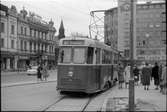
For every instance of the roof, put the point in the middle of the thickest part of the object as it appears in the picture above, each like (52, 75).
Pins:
(89, 42)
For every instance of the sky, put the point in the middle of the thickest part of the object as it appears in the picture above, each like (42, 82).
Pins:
(74, 13)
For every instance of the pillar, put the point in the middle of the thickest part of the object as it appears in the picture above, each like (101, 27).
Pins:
(15, 62)
(8, 64)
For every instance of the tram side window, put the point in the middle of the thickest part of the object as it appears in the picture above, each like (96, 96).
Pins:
(90, 55)
(103, 57)
(79, 55)
(97, 56)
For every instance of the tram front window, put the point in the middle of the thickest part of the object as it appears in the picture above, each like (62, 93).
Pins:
(79, 55)
(65, 55)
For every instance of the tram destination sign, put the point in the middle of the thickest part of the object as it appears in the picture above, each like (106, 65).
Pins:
(73, 42)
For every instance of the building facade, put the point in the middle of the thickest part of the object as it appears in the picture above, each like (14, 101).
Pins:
(150, 32)
(27, 40)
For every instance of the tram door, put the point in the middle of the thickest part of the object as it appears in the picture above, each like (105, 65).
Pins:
(98, 67)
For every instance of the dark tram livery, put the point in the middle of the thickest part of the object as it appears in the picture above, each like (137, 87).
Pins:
(85, 65)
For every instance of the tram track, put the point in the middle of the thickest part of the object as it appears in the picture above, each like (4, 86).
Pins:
(52, 104)
(83, 103)
(87, 103)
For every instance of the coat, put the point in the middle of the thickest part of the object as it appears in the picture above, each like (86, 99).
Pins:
(45, 72)
(146, 75)
(164, 76)
(155, 72)
(39, 69)
(120, 74)
(127, 74)
(136, 74)
(156, 75)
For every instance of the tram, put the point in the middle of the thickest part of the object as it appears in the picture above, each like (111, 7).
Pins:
(85, 65)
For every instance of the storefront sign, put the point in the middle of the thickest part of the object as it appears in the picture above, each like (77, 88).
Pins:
(23, 57)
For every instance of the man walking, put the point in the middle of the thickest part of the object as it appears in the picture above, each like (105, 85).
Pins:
(155, 75)
(146, 72)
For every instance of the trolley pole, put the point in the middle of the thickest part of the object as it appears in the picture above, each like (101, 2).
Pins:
(131, 81)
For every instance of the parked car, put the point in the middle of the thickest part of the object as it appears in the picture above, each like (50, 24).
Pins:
(32, 70)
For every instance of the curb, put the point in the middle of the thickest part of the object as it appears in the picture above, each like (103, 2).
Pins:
(26, 83)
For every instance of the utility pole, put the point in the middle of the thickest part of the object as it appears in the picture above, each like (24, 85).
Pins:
(131, 81)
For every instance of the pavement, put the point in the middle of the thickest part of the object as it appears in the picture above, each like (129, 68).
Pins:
(117, 99)
(52, 77)
(145, 100)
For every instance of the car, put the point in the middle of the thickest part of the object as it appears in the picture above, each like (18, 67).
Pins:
(32, 70)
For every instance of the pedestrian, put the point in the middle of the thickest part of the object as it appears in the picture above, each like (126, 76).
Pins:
(146, 74)
(160, 77)
(136, 74)
(127, 75)
(140, 72)
(39, 73)
(155, 75)
(164, 83)
(45, 73)
(120, 75)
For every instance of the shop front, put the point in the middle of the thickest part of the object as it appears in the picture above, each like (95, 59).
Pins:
(23, 62)
(51, 62)
(7, 61)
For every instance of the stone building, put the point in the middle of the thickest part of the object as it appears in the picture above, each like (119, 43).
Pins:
(150, 32)
(29, 40)
(8, 37)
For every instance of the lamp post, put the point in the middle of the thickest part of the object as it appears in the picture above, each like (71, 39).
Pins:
(131, 80)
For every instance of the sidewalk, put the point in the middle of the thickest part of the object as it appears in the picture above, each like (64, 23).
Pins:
(20, 72)
(151, 100)
(52, 78)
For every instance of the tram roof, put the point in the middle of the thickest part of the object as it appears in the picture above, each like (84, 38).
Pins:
(88, 42)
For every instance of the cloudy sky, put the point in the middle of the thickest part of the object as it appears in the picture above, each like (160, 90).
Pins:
(74, 13)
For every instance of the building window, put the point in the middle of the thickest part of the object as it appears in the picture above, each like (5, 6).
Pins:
(12, 44)
(46, 48)
(30, 46)
(21, 30)
(25, 31)
(2, 42)
(144, 42)
(45, 36)
(34, 33)
(164, 42)
(157, 25)
(2, 27)
(34, 47)
(12, 29)
(127, 53)
(30, 32)
(25, 45)
(39, 34)
(21, 44)
(142, 52)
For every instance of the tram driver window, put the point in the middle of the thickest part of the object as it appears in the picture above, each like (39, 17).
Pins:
(90, 55)
(65, 55)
